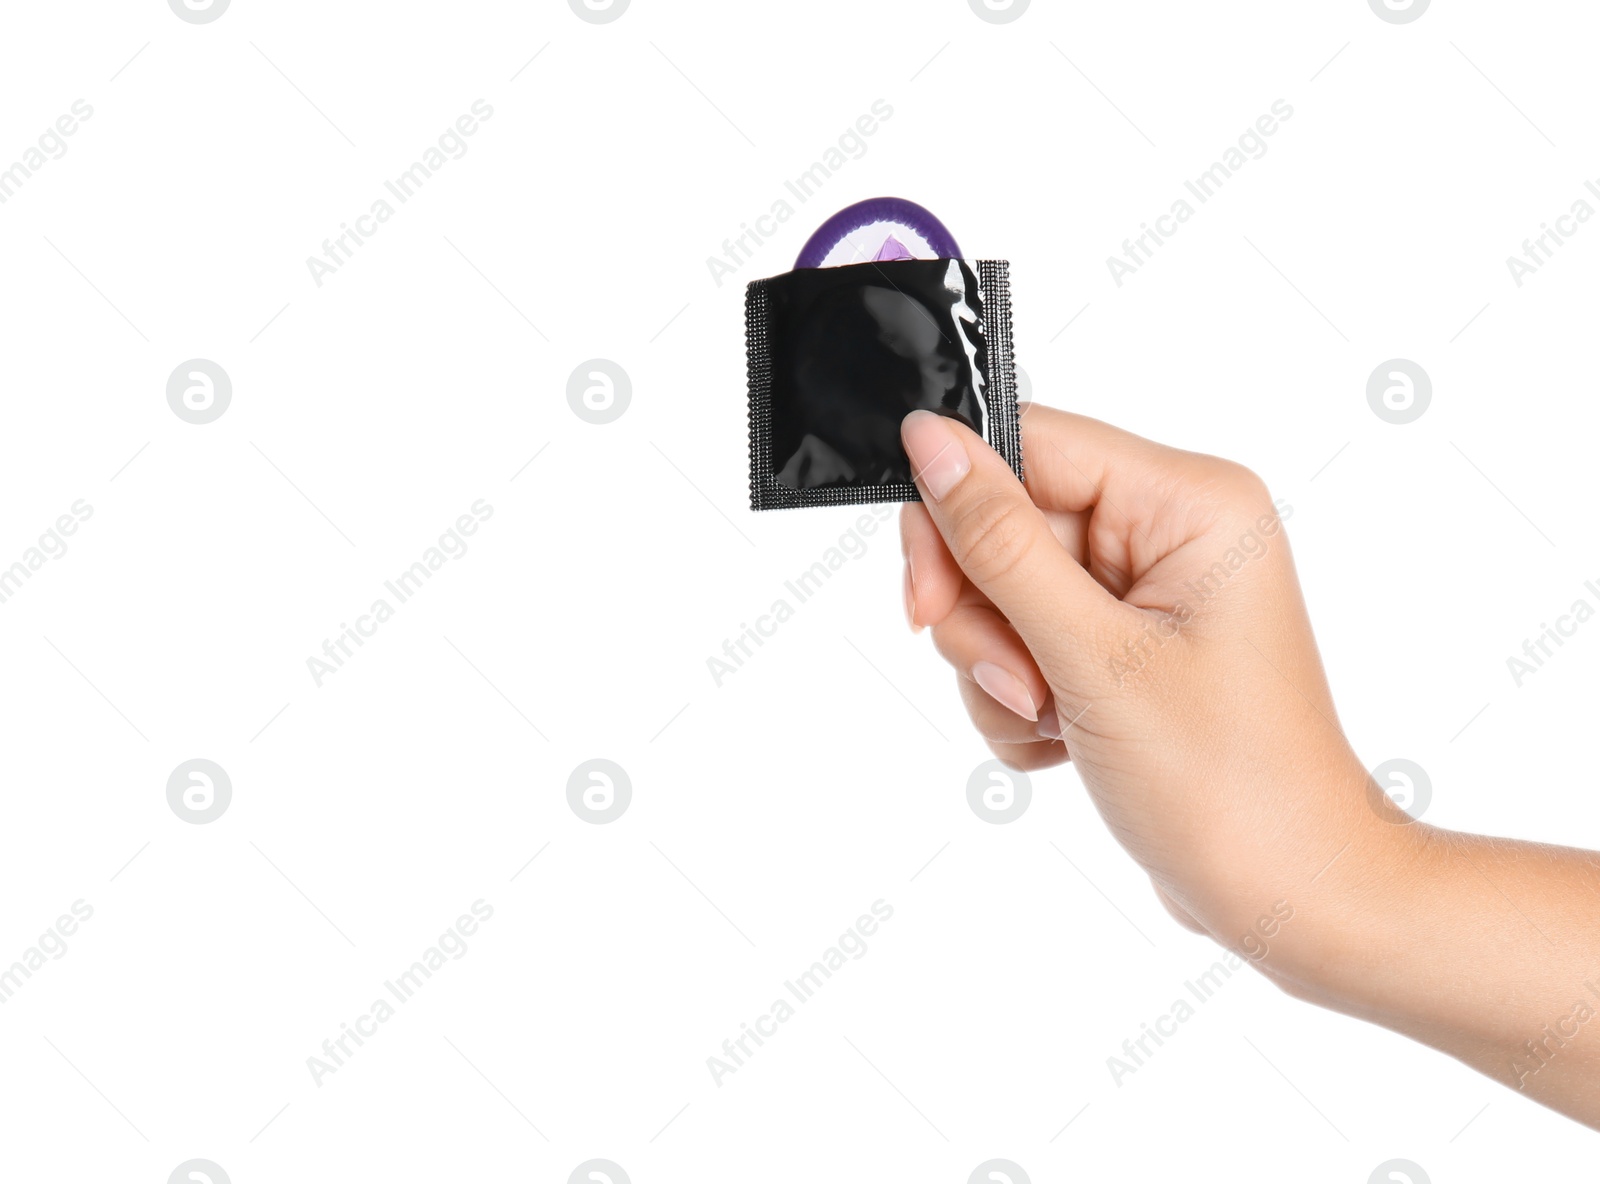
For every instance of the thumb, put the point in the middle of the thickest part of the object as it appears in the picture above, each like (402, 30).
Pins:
(1004, 544)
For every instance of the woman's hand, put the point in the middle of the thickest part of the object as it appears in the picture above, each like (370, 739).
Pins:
(1140, 604)
(1136, 607)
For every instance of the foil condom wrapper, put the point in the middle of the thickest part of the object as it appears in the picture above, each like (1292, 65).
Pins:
(839, 355)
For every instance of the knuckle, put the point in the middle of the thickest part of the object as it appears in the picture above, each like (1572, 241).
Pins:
(995, 732)
(1026, 757)
(953, 636)
(1246, 487)
(1236, 490)
(991, 539)
(995, 724)
(1012, 756)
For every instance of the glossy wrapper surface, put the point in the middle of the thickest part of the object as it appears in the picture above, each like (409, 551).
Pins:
(838, 356)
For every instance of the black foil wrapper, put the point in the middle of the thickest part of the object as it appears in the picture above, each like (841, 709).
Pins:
(838, 356)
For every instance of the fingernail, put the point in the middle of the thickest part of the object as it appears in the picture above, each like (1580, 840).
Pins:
(938, 459)
(1005, 688)
(1050, 724)
(911, 599)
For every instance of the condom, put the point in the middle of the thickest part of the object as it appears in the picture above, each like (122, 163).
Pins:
(880, 317)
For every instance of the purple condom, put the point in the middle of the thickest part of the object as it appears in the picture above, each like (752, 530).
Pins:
(838, 355)
(895, 210)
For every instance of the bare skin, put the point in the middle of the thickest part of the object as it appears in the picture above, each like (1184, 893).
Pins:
(1142, 603)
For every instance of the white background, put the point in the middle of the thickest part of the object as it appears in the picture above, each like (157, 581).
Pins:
(769, 812)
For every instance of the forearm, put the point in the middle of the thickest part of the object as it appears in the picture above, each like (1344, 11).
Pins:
(1487, 949)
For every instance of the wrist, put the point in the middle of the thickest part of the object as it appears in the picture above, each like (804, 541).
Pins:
(1326, 915)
